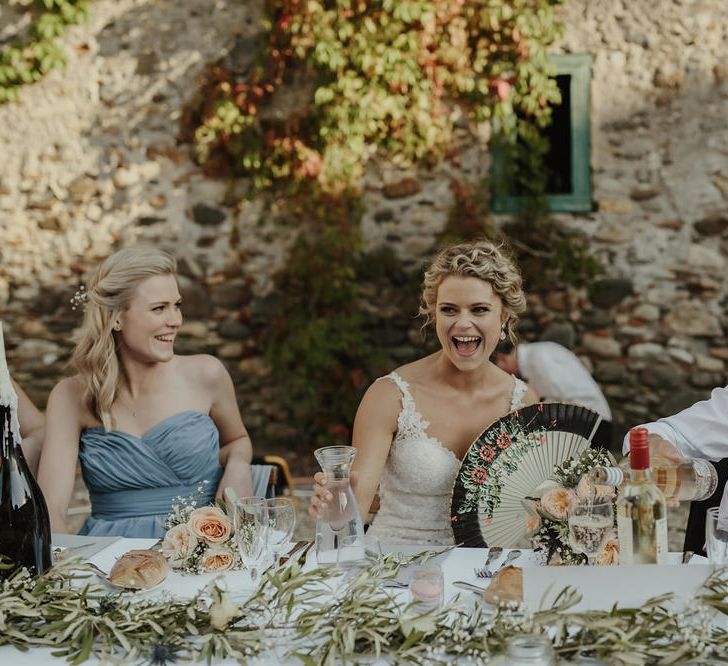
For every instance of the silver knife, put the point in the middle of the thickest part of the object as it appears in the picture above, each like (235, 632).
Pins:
(290, 553)
(464, 585)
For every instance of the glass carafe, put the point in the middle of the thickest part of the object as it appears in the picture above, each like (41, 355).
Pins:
(339, 531)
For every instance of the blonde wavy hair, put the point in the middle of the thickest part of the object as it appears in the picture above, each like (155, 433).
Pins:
(486, 261)
(109, 293)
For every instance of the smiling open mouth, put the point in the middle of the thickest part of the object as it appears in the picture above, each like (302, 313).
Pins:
(466, 344)
(164, 338)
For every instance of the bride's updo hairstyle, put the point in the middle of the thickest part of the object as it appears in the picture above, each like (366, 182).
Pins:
(486, 261)
(109, 293)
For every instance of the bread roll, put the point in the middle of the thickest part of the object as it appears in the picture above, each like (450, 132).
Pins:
(506, 585)
(139, 570)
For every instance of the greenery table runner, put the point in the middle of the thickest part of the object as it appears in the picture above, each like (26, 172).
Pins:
(315, 617)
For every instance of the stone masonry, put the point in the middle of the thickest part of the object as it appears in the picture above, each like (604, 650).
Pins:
(91, 162)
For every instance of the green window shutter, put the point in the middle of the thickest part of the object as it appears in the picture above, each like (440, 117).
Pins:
(570, 186)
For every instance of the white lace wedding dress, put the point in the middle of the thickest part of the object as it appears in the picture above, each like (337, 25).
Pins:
(416, 485)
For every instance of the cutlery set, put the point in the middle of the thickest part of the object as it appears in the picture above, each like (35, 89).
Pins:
(303, 546)
(494, 553)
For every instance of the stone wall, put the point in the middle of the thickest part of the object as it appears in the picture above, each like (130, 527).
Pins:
(91, 161)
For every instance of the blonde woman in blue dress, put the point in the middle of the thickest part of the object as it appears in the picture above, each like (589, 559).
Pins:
(147, 425)
(414, 426)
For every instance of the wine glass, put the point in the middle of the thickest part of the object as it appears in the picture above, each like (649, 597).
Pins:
(716, 538)
(590, 522)
(281, 523)
(251, 526)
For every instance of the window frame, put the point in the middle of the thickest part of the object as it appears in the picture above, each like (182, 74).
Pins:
(579, 200)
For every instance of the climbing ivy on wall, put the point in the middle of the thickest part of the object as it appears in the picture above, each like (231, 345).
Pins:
(384, 76)
(369, 77)
(29, 60)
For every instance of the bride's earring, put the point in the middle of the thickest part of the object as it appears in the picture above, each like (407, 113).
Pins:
(503, 332)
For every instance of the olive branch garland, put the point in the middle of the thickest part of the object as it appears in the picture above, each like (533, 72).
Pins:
(324, 620)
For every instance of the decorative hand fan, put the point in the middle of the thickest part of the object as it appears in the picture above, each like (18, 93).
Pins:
(507, 463)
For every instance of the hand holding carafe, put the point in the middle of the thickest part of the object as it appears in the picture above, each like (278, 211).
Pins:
(339, 528)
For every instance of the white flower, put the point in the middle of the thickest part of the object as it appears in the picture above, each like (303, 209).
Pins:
(222, 609)
(178, 544)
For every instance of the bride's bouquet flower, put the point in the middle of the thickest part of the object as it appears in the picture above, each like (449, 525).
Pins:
(199, 539)
(548, 509)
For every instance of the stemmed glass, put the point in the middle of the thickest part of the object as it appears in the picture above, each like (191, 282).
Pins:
(281, 523)
(251, 527)
(716, 538)
(590, 522)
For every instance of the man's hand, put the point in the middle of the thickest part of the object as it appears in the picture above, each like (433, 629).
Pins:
(661, 448)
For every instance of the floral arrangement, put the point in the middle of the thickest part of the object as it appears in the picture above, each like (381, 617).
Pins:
(548, 509)
(199, 540)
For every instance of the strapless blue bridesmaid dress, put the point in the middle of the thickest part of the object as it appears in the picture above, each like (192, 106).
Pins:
(133, 481)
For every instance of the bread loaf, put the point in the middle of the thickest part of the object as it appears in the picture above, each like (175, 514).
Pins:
(139, 570)
(506, 585)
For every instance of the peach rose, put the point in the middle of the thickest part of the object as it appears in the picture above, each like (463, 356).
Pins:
(217, 559)
(609, 554)
(178, 544)
(556, 502)
(533, 519)
(532, 523)
(210, 524)
(586, 489)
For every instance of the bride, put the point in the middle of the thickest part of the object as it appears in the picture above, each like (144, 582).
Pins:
(414, 425)
(147, 425)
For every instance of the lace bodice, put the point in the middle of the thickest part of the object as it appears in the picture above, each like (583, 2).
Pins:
(418, 478)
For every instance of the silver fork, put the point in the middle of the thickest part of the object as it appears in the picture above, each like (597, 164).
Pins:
(511, 557)
(493, 554)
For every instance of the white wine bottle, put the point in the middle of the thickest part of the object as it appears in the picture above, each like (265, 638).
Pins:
(689, 480)
(641, 510)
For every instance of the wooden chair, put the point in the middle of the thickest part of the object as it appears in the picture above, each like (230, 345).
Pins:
(280, 479)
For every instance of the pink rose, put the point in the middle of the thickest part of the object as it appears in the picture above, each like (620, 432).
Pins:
(178, 544)
(217, 559)
(556, 502)
(210, 524)
(609, 554)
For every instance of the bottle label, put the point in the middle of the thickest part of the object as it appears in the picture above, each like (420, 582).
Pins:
(626, 542)
(661, 540)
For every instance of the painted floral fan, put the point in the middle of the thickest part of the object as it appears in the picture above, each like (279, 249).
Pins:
(507, 463)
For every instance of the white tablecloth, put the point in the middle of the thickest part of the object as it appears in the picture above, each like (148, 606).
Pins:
(596, 583)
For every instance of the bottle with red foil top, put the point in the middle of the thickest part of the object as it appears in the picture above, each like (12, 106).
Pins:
(641, 510)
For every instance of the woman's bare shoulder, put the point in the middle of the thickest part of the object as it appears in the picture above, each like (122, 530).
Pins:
(202, 368)
(69, 390)
(530, 397)
(419, 371)
(66, 401)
